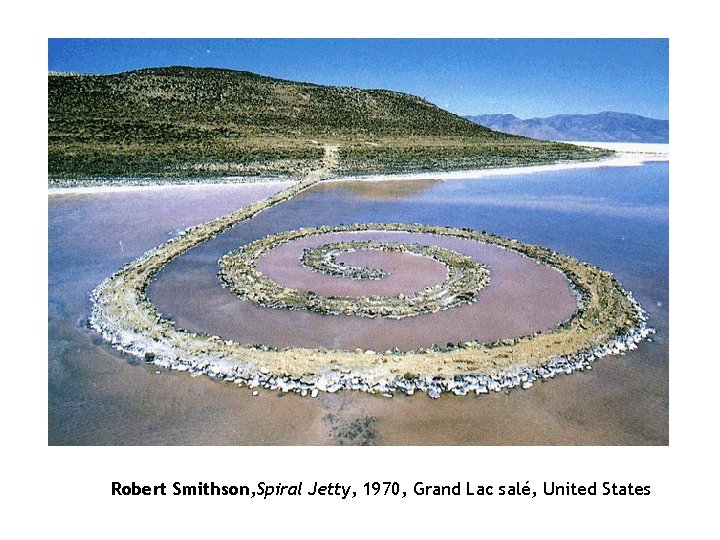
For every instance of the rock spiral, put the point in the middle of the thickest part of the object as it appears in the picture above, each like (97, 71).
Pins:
(608, 319)
(465, 277)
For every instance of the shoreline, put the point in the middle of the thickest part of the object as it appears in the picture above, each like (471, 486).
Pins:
(95, 190)
(628, 155)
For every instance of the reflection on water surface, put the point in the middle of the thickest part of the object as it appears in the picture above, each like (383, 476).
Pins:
(615, 218)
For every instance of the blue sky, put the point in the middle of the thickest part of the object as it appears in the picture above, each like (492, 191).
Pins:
(525, 77)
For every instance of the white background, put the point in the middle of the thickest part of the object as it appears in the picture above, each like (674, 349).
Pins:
(65, 491)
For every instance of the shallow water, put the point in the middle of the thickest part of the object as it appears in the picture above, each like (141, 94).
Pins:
(521, 298)
(616, 218)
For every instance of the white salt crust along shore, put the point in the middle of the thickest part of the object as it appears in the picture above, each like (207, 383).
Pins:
(628, 155)
(609, 322)
(660, 151)
(92, 190)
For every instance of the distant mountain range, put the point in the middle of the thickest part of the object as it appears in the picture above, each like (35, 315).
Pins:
(601, 127)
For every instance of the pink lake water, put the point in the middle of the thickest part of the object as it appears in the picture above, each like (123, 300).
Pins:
(99, 396)
(521, 298)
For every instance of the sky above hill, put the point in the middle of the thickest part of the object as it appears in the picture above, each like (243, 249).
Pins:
(524, 77)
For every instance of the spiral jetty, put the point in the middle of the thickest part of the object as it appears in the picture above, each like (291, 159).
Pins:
(608, 320)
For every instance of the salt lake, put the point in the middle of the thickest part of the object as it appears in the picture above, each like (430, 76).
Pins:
(613, 217)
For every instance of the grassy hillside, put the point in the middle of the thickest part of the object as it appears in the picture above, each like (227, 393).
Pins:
(194, 122)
